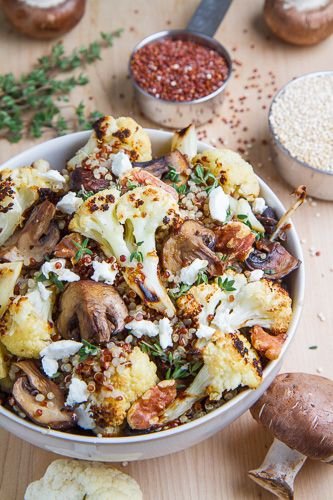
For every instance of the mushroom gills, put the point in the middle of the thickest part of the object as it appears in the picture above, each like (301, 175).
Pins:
(162, 165)
(272, 258)
(55, 415)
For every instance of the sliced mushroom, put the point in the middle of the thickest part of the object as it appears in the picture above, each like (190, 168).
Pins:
(66, 247)
(268, 219)
(26, 388)
(37, 239)
(91, 311)
(145, 412)
(191, 241)
(234, 239)
(84, 178)
(272, 258)
(161, 166)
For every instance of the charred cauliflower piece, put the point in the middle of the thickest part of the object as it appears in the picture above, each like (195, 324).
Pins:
(19, 190)
(9, 273)
(229, 362)
(235, 174)
(111, 135)
(25, 328)
(123, 385)
(143, 210)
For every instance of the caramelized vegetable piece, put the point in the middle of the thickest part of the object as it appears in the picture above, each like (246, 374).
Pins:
(66, 248)
(83, 177)
(145, 412)
(91, 311)
(33, 382)
(161, 166)
(191, 241)
(272, 258)
(234, 239)
(37, 239)
(267, 345)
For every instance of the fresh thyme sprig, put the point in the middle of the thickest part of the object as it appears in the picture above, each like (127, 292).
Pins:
(53, 278)
(226, 284)
(82, 249)
(172, 174)
(87, 350)
(35, 102)
(204, 178)
(137, 255)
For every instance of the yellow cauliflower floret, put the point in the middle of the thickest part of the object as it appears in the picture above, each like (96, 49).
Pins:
(25, 329)
(234, 173)
(231, 362)
(9, 272)
(111, 135)
(129, 382)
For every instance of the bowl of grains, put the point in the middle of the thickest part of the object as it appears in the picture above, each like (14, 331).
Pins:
(301, 128)
(179, 77)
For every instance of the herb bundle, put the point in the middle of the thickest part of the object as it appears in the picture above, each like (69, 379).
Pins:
(35, 102)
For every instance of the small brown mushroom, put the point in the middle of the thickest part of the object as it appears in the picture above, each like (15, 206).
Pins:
(272, 258)
(191, 241)
(234, 239)
(43, 19)
(161, 166)
(91, 311)
(47, 413)
(145, 412)
(266, 344)
(36, 239)
(84, 178)
(298, 409)
(66, 247)
(299, 23)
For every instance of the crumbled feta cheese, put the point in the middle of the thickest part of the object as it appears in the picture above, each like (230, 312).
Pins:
(84, 418)
(143, 327)
(218, 203)
(50, 366)
(189, 274)
(41, 165)
(120, 164)
(44, 292)
(259, 206)
(57, 266)
(255, 275)
(165, 331)
(104, 271)
(61, 349)
(205, 332)
(77, 392)
(53, 175)
(69, 203)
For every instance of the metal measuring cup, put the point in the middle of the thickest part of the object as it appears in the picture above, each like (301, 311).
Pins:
(201, 29)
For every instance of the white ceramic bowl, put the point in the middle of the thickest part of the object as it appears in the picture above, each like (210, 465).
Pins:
(58, 151)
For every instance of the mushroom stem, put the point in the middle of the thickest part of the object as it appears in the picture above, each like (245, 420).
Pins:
(279, 469)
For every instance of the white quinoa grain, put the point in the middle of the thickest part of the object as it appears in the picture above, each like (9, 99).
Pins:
(302, 119)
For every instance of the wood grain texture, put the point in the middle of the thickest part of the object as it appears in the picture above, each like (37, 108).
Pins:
(217, 468)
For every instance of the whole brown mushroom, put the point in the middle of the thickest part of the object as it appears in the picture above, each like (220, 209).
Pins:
(300, 22)
(298, 409)
(43, 19)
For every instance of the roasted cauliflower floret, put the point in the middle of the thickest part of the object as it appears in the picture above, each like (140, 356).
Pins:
(231, 362)
(123, 385)
(233, 303)
(9, 273)
(4, 362)
(25, 328)
(111, 135)
(75, 480)
(19, 190)
(235, 174)
(143, 210)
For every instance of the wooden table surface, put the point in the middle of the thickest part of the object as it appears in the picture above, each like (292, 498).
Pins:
(216, 468)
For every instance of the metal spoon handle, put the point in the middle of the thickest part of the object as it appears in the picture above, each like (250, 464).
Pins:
(208, 16)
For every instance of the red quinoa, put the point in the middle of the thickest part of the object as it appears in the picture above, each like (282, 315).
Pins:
(178, 70)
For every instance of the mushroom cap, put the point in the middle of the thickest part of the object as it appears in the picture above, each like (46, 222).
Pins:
(298, 409)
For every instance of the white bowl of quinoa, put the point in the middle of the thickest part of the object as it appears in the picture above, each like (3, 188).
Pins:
(149, 427)
(301, 127)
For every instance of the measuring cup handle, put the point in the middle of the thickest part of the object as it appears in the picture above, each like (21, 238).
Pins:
(208, 16)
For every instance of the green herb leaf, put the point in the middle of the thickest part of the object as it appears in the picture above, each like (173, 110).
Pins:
(85, 194)
(82, 249)
(87, 350)
(203, 177)
(226, 284)
(202, 278)
(172, 174)
(182, 290)
(137, 255)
